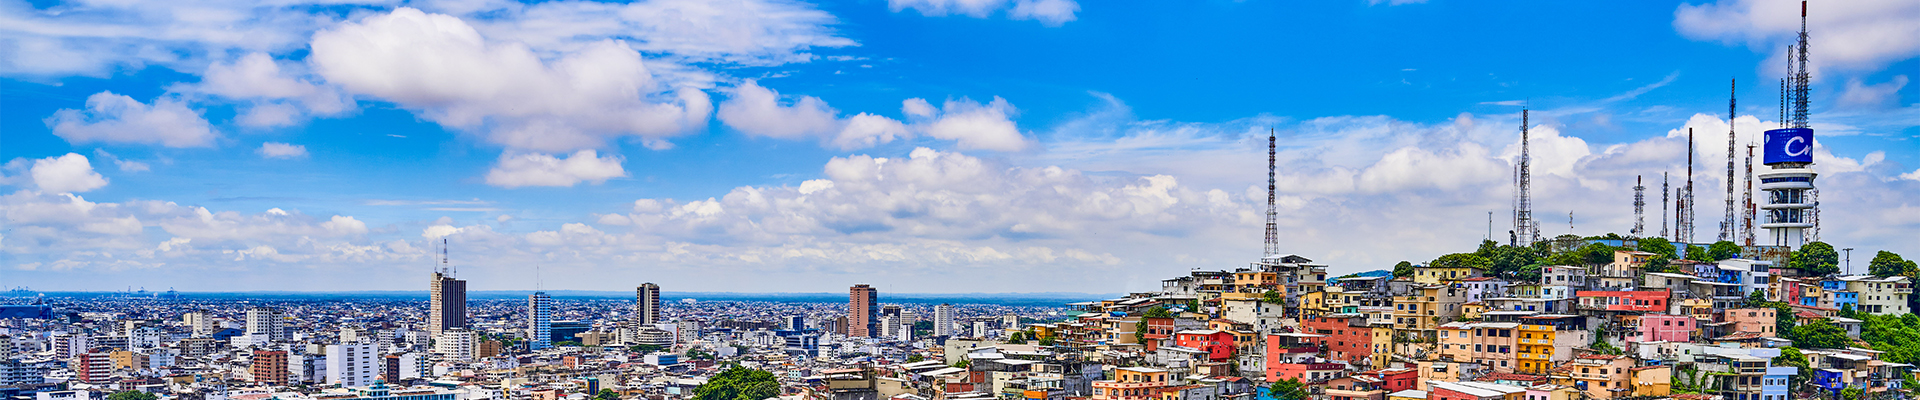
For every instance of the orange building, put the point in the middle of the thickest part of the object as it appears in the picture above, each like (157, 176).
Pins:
(269, 367)
(1132, 383)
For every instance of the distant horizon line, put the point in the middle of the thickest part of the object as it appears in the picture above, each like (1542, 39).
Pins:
(527, 291)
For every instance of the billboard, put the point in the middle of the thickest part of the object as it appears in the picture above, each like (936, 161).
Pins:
(1789, 145)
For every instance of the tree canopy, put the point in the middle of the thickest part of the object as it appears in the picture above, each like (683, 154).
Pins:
(1820, 334)
(1722, 250)
(1597, 253)
(1815, 259)
(1659, 246)
(132, 395)
(1698, 253)
(1461, 260)
(1403, 269)
(738, 383)
(1290, 389)
(1157, 312)
(1886, 263)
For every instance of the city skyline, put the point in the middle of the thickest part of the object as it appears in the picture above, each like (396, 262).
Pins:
(921, 148)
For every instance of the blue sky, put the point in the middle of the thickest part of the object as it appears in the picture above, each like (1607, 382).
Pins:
(920, 145)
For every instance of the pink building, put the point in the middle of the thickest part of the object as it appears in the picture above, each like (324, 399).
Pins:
(1753, 320)
(1667, 328)
(1643, 301)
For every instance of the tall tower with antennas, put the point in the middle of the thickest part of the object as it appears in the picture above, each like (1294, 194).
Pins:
(1526, 230)
(1746, 226)
(1684, 231)
(1792, 201)
(1727, 223)
(447, 297)
(1639, 207)
(1666, 197)
(1273, 225)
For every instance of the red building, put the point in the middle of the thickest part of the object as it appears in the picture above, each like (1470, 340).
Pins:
(1396, 379)
(1343, 341)
(1218, 344)
(269, 367)
(1640, 300)
(1159, 330)
(94, 367)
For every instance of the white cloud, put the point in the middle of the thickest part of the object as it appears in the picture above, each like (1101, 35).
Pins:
(99, 38)
(124, 164)
(282, 150)
(756, 110)
(1852, 36)
(750, 32)
(445, 70)
(70, 173)
(276, 99)
(114, 118)
(65, 231)
(519, 170)
(972, 125)
(1861, 95)
(1048, 12)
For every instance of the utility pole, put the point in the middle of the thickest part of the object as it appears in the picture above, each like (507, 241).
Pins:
(1849, 261)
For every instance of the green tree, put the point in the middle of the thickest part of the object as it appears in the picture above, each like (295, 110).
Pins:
(1290, 389)
(606, 394)
(645, 348)
(1017, 338)
(1403, 269)
(566, 343)
(1157, 312)
(1815, 259)
(132, 395)
(1046, 341)
(1273, 297)
(1511, 261)
(1698, 253)
(1659, 246)
(1794, 358)
(1458, 260)
(1820, 334)
(1886, 263)
(1757, 299)
(1487, 247)
(963, 364)
(738, 383)
(914, 358)
(1722, 250)
(1852, 393)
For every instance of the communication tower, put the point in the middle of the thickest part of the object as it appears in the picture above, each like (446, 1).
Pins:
(1792, 201)
(1273, 227)
(1526, 229)
(1727, 223)
(1639, 207)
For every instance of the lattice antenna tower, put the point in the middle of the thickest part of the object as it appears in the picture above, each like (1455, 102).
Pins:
(1801, 79)
(1526, 228)
(1728, 225)
(1639, 207)
(1273, 226)
(1666, 193)
(1687, 223)
(1747, 225)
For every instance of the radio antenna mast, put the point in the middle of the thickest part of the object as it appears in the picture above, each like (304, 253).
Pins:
(1727, 223)
(1523, 222)
(1639, 207)
(1273, 227)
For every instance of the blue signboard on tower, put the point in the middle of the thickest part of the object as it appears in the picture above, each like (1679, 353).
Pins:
(1789, 145)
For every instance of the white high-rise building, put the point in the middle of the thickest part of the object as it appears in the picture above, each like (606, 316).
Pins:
(267, 321)
(943, 320)
(980, 329)
(199, 321)
(889, 326)
(455, 344)
(353, 364)
(539, 321)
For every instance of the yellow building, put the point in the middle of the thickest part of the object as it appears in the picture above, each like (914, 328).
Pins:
(128, 360)
(1472, 310)
(1536, 349)
(1652, 381)
(1429, 275)
(1382, 345)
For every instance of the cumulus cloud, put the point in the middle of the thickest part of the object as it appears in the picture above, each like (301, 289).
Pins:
(1853, 36)
(756, 110)
(70, 173)
(282, 150)
(444, 69)
(66, 231)
(100, 38)
(275, 97)
(1048, 12)
(749, 32)
(124, 164)
(115, 118)
(520, 170)
(1879, 95)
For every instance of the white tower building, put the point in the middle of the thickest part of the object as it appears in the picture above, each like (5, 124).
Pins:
(353, 364)
(943, 320)
(267, 321)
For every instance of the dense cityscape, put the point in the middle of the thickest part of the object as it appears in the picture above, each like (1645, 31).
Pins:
(1767, 311)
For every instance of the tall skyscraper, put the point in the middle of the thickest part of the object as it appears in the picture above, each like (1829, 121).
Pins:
(863, 311)
(539, 321)
(449, 308)
(646, 304)
(267, 321)
(199, 321)
(943, 320)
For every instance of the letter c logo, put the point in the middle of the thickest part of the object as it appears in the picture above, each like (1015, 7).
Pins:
(1804, 148)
